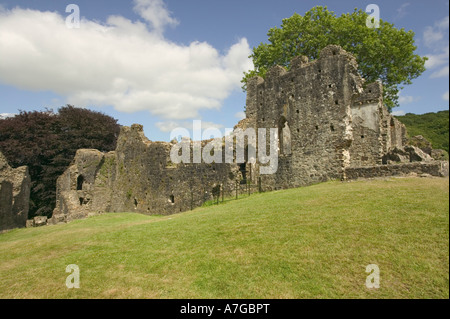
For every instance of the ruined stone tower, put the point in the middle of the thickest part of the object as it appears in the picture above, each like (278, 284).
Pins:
(327, 119)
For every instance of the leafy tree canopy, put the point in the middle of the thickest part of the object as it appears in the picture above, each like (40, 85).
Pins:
(46, 142)
(384, 53)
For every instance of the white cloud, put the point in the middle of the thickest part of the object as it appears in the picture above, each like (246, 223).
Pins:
(432, 35)
(436, 39)
(443, 72)
(155, 12)
(399, 113)
(240, 115)
(435, 60)
(168, 126)
(443, 24)
(401, 11)
(120, 63)
(445, 96)
(406, 99)
(6, 115)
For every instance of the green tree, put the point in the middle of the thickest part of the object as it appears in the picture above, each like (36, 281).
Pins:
(385, 53)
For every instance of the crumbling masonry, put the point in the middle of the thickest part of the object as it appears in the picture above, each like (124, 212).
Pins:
(14, 195)
(330, 126)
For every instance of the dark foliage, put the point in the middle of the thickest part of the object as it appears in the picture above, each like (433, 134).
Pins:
(46, 142)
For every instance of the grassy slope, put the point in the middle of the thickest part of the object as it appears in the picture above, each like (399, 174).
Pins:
(311, 242)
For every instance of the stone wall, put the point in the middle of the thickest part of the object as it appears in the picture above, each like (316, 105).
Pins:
(333, 119)
(14, 195)
(435, 168)
(329, 125)
(138, 176)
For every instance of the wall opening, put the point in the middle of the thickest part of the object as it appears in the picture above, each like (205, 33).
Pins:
(393, 133)
(243, 170)
(80, 181)
(172, 199)
(284, 137)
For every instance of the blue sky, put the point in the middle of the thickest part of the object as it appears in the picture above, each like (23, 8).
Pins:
(165, 63)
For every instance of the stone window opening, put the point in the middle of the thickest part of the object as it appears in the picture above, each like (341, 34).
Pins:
(243, 170)
(135, 203)
(332, 128)
(80, 181)
(172, 199)
(284, 137)
(393, 133)
(81, 201)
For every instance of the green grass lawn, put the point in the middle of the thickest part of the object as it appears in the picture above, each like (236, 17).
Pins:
(310, 242)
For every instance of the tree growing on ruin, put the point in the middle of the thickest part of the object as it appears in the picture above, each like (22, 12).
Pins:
(46, 142)
(384, 53)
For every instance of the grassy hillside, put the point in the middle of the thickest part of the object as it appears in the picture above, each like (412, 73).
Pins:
(433, 126)
(311, 242)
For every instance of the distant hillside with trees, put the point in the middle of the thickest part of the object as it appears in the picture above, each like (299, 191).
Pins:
(46, 142)
(433, 126)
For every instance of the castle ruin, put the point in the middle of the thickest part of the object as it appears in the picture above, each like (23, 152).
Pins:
(330, 125)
